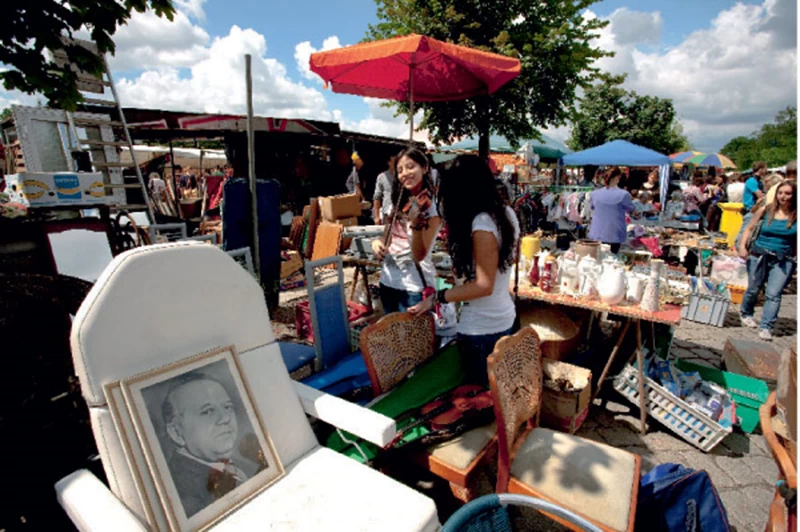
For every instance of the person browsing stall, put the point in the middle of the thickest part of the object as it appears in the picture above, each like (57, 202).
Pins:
(200, 420)
(482, 235)
(771, 259)
(610, 204)
(382, 198)
(753, 192)
(413, 224)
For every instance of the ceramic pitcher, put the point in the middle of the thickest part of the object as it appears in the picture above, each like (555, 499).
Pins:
(612, 285)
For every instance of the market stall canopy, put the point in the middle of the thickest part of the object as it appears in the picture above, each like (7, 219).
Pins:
(413, 68)
(616, 153)
(683, 156)
(547, 148)
(711, 159)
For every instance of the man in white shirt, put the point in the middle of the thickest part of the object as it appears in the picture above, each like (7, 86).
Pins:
(735, 189)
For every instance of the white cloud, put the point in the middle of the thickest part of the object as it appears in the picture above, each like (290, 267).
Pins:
(217, 83)
(149, 41)
(381, 121)
(193, 8)
(725, 80)
(303, 51)
(9, 98)
(635, 27)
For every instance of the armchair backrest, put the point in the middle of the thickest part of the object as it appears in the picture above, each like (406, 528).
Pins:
(395, 345)
(329, 318)
(515, 378)
(158, 304)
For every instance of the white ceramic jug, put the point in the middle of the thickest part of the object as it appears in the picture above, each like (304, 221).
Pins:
(612, 285)
(636, 284)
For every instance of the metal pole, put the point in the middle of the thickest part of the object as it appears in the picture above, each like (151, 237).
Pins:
(411, 98)
(251, 163)
(174, 181)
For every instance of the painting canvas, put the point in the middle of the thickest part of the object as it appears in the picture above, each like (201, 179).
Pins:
(203, 441)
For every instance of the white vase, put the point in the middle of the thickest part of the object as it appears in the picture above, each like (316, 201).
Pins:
(650, 299)
(636, 285)
(612, 285)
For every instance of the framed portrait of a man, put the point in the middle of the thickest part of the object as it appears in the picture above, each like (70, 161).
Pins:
(203, 441)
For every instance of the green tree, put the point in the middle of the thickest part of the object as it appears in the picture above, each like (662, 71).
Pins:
(609, 112)
(552, 40)
(5, 114)
(775, 143)
(31, 29)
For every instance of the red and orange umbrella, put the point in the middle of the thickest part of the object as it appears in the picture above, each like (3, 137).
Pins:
(414, 68)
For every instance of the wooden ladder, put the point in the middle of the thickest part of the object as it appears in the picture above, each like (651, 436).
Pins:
(103, 147)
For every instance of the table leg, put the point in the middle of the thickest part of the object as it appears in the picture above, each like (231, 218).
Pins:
(355, 283)
(653, 335)
(611, 357)
(640, 368)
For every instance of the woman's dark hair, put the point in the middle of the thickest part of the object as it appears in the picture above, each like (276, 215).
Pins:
(610, 174)
(468, 189)
(399, 198)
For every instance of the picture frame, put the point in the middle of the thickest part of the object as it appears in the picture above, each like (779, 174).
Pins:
(205, 445)
(150, 511)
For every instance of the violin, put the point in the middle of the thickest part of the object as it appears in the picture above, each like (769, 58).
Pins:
(468, 402)
(464, 400)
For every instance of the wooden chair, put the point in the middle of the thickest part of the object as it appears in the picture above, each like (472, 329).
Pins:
(392, 347)
(780, 519)
(596, 481)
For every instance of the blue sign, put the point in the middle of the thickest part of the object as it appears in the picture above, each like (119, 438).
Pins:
(68, 186)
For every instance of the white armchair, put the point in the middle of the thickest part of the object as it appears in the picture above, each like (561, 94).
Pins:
(158, 304)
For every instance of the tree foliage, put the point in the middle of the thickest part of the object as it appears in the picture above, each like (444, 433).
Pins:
(774, 143)
(31, 28)
(5, 114)
(552, 40)
(609, 112)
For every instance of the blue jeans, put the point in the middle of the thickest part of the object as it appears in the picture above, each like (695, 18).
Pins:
(775, 273)
(745, 222)
(394, 300)
(476, 349)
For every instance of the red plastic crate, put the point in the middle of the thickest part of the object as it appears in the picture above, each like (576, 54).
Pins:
(302, 318)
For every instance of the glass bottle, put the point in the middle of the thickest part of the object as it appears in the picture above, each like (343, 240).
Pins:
(534, 274)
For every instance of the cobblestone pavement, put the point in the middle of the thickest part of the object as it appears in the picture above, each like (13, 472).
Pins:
(741, 466)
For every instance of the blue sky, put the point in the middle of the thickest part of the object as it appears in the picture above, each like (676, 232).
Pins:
(728, 66)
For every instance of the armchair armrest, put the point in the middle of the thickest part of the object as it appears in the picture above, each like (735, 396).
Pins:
(91, 505)
(363, 422)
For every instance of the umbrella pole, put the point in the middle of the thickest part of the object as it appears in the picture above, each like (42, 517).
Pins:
(411, 99)
(251, 162)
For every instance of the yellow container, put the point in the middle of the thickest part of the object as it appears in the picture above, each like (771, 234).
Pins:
(530, 246)
(731, 221)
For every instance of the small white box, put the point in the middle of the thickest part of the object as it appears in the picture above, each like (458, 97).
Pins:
(55, 189)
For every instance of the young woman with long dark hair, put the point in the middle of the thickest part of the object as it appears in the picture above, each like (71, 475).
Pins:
(407, 265)
(482, 235)
(771, 259)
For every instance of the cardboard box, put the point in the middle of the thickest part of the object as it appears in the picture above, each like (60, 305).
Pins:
(335, 208)
(565, 410)
(752, 359)
(346, 241)
(55, 189)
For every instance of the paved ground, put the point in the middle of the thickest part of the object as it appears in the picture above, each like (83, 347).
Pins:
(740, 467)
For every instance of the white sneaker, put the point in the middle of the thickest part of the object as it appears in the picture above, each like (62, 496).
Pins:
(748, 321)
(765, 334)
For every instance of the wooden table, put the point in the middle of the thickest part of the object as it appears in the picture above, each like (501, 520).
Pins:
(668, 315)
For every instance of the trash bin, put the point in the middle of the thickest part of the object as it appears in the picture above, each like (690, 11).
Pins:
(731, 221)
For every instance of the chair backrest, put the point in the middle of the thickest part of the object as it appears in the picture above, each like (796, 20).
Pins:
(329, 318)
(395, 345)
(158, 304)
(244, 257)
(515, 378)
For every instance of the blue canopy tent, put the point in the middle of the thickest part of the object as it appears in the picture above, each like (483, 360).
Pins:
(547, 149)
(622, 153)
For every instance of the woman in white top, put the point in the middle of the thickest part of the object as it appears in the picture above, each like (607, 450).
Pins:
(482, 235)
(407, 265)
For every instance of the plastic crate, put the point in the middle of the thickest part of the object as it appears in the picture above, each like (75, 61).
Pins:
(706, 309)
(748, 393)
(672, 412)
